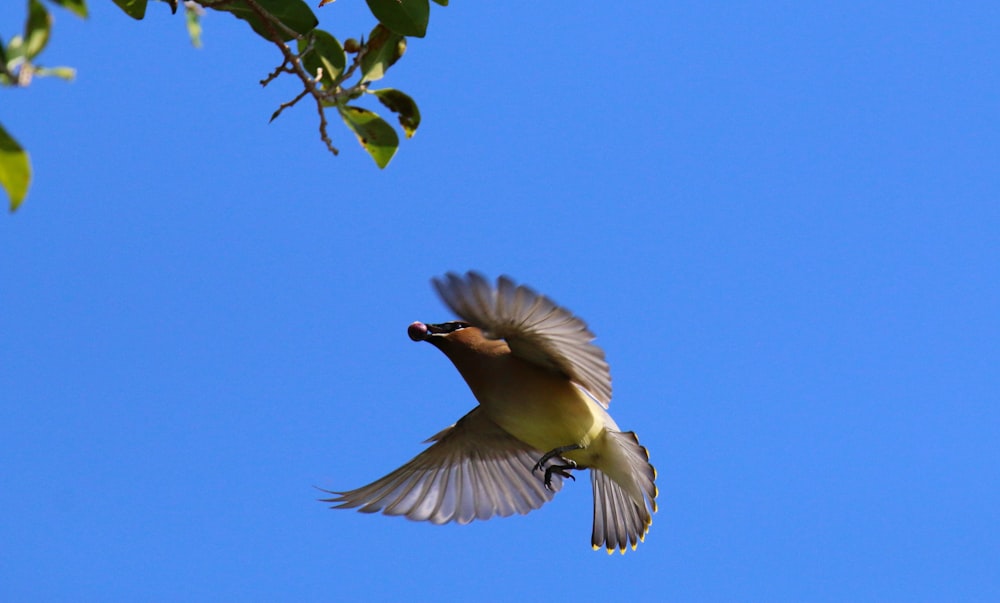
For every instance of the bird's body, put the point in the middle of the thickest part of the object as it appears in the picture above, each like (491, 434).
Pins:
(535, 405)
(541, 387)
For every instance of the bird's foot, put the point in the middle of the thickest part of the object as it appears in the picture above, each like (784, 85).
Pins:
(554, 453)
(560, 470)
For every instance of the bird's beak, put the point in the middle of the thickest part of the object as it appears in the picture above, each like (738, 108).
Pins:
(419, 331)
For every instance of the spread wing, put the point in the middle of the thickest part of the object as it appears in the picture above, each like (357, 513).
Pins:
(474, 470)
(535, 328)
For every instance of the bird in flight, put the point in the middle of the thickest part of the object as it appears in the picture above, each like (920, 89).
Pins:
(543, 388)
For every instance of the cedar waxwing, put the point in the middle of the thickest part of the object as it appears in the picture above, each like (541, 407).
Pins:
(542, 387)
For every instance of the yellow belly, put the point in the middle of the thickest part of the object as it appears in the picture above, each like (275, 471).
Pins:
(541, 408)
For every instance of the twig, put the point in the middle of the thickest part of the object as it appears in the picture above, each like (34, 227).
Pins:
(282, 68)
(292, 64)
(288, 104)
(322, 130)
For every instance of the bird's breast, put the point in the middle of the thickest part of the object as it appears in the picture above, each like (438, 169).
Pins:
(539, 407)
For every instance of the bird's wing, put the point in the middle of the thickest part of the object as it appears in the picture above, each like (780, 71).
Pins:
(474, 470)
(536, 329)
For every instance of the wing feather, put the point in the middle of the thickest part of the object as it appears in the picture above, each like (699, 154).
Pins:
(535, 328)
(474, 470)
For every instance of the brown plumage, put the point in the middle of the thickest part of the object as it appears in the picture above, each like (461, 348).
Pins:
(542, 388)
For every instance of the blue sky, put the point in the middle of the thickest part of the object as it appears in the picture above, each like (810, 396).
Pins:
(782, 221)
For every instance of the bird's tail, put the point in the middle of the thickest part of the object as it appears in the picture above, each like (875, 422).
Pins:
(624, 494)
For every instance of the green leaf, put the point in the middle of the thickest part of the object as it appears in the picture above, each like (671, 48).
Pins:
(15, 50)
(192, 18)
(376, 136)
(441, 2)
(295, 15)
(133, 8)
(15, 169)
(5, 75)
(326, 53)
(78, 7)
(403, 106)
(405, 17)
(36, 29)
(381, 51)
(65, 73)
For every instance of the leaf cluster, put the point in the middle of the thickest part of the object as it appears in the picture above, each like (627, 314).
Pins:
(335, 75)
(18, 66)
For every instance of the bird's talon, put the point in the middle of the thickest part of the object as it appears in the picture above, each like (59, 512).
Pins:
(561, 471)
